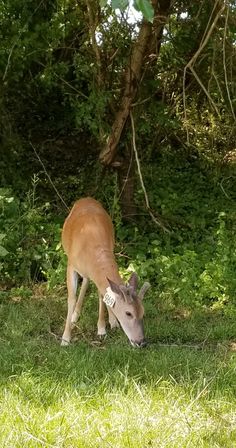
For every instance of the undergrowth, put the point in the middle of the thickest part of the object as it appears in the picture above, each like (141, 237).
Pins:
(193, 265)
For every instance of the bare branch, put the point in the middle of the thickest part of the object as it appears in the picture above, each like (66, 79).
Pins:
(209, 21)
(224, 64)
(65, 82)
(192, 61)
(205, 91)
(155, 220)
(49, 178)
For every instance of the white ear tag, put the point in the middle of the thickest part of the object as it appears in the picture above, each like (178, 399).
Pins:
(108, 298)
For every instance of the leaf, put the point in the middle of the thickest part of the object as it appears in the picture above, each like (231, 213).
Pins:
(9, 200)
(145, 7)
(2, 236)
(103, 3)
(58, 246)
(119, 4)
(3, 251)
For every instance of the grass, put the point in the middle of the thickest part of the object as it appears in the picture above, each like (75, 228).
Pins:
(178, 392)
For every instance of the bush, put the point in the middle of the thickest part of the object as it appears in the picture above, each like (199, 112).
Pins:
(195, 264)
(29, 240)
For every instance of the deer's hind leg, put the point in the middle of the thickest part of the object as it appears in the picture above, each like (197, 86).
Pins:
(72, 281)
(79, 303)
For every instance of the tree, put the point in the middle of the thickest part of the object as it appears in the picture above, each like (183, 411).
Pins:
(74, 72)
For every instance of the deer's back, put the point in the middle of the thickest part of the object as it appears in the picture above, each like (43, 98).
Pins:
(87, 231)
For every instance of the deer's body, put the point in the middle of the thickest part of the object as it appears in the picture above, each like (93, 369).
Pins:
(87, 236)
(88, 240)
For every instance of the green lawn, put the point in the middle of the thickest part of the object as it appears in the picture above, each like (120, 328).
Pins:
(180, 391)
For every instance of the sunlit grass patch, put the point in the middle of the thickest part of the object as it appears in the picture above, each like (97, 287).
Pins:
(111, 395)
(162, 413)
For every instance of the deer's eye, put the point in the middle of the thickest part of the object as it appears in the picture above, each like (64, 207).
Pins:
(128, 314)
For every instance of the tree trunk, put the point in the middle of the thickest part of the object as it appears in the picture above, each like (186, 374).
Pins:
(147, 42)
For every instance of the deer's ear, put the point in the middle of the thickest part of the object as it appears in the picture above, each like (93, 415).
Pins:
(133, 281)
(114, 287)
(143, 290)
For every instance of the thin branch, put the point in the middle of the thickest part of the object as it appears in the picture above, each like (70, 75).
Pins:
(209, 21)
(138, 163)
(208, 35)
(96, 49)
(212, 68)
(224, 63)
(205, 91)
(155, 220)
(218, 85)
(65, 82)
(139, 103)
(70, 85)
(222, 188)
(49, 178)
(127, 176)
(191, 63)
(184, 105)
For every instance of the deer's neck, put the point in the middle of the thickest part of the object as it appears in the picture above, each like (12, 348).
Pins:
(106, 267)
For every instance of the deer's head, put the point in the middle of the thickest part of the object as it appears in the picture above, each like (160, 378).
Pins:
(126, 304)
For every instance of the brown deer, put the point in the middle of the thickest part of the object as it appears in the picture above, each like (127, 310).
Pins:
(88, 240)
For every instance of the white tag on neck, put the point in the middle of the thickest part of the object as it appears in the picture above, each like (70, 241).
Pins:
(109, 298)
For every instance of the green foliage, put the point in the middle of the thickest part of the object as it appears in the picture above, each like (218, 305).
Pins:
(195, 264)
(119, 4)
(143, 6)
(55, 85)
(146, 8)
(29, 239)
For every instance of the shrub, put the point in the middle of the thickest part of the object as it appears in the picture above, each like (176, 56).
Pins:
(29, 239)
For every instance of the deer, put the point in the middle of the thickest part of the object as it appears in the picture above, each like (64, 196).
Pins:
(88, 241)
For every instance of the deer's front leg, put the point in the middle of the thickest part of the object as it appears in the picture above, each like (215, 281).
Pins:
(101, 317)
(112, 319)
(71, 279)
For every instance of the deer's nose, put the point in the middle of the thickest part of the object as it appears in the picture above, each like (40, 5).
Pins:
(139, 344)
(143, 343)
